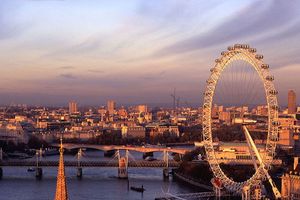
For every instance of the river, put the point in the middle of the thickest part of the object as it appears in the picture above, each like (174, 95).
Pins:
(96, 184)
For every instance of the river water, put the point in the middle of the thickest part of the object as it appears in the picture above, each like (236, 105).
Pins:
(96, 184)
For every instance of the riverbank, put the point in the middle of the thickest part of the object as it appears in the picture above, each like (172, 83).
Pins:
(191, 181)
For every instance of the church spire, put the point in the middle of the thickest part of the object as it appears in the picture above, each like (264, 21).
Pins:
(61, 186)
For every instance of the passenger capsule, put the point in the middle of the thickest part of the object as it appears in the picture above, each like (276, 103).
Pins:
(271, 154)
(223, 53)
(209, 81)
(275, 107)
(246, 46)
(230, 48)
(252, 50)
(206, 106)
(207, 93)
(265, 66)
(273, 92)
(275, 123)
(270, 78)
(218, 60)
(237, 46)
(213, 70)
(259, 56)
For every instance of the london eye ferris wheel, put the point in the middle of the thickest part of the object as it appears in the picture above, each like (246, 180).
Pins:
(242, 52)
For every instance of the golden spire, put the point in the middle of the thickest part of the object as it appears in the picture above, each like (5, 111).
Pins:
(61, 186)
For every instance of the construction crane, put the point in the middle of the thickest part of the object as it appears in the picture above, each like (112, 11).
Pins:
(177, 102)
(6, 109)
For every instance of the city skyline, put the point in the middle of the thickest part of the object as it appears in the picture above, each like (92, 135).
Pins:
(138, 51)
(142, 99)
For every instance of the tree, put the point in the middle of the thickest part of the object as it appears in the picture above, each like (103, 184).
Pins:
(11, 146)
(36, 143)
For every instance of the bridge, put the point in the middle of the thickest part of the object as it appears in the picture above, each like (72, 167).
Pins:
(11, 136)
(122, 163)
(232, 161)
(135, 164)
(143, 149)
(191, 196)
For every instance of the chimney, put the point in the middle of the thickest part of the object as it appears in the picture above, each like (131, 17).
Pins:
(296, 161)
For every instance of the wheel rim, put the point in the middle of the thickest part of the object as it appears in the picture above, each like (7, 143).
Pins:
(240, 52)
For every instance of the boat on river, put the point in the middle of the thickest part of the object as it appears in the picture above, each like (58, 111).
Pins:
(138, 189)
(50, 152)
(31, 169)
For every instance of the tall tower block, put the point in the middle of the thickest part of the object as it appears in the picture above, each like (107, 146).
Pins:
(291, 102)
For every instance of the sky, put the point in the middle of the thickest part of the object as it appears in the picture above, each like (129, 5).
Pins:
(137, 51)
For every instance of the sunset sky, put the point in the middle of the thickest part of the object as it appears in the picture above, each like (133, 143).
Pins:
(137, 51)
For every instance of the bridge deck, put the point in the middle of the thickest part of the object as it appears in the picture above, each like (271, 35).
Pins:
(190, 196)
(136, 164)
(142, 149)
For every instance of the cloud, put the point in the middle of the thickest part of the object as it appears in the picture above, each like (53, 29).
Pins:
(257, 18)
(67, 76)
(95, 71)
(110, 50)
(88, 45)
(66, 67)
(155, 76)
(10, 25)
(161, 11)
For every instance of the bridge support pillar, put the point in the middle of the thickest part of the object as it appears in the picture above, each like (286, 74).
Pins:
(123, 166)
(1, 154)
(79, 168)
(39, 173)
(166, 173)
(38, 169)
(79, 172)
(1, 173)
(166, 168)
(1, 157)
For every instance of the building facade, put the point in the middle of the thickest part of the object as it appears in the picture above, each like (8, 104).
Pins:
(133, 132)
(111, 106)
(290, 182)
(142, 108)
(286, 131)
(291, 102)
(72, 107)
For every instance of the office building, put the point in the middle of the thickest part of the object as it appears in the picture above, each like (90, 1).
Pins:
(111, 105)
(142, 108)
(291, 102)
(72, 107)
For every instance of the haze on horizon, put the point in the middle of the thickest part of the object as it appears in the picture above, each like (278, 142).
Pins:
(137, 51)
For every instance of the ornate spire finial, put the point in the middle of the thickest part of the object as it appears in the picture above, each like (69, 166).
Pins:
(61, 186)
(61, 145)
